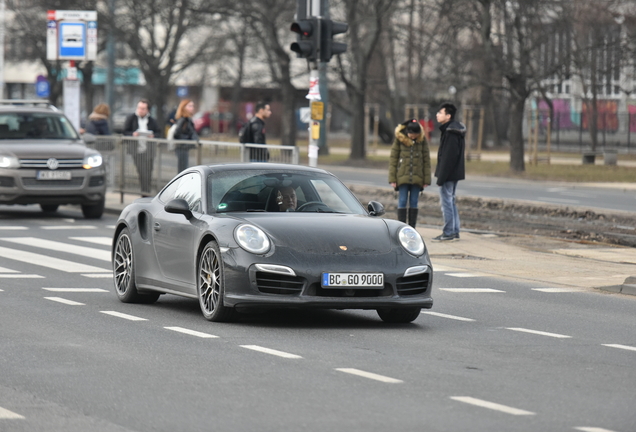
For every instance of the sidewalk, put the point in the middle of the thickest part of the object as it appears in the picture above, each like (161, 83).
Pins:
(544, 261)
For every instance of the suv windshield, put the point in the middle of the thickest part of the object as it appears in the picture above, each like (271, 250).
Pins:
(35, 126)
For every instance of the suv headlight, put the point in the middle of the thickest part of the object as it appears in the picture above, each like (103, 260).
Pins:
(411, 240)
(252, 239)
(9, 162)
(92, 161)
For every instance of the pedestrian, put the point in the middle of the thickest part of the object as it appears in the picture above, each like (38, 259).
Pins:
(450, 168)
(141, 124)
(184, 131)
(255, 132)
(98, 120)
(409, 168)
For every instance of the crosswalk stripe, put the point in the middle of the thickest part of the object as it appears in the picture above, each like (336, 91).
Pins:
(491, 405)
(625, 347)
(65, 301)
(65, 227)
(100, 275)
(48, 261)
(13, 228)
(104, 241)
(370, 375)
(191, 332)
(557, 290)
(441, 315)
(6, 270)
(9, 415)
(60, 247)
(463, 275)
(77, 290)
(591, 429)
(123, 315)
(271, 351)
(537, 332)
(472, 290)
(20, 276)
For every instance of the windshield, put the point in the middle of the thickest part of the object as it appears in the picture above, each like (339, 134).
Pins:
(288, 191)
(35, 126)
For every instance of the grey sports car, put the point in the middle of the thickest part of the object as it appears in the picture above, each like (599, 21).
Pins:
(266, 235)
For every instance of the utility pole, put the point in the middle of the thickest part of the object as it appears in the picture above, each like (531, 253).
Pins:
(2, 31)
(110, 50)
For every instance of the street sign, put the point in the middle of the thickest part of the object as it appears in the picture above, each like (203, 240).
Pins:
(305, 115)
(182, 91)
(71, 35)
(317, 110)
(42, 87)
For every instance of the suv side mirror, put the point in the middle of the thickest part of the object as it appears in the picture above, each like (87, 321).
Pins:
(375, 208)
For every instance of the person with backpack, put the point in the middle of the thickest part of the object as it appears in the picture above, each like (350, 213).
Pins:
(253, 132)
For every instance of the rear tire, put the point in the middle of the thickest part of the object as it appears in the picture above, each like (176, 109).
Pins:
(94, 211)
(124, 272)
(400, 315)
(211, 285)
(49, 208)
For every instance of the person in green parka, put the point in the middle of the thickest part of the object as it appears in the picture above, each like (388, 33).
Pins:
(409, 168)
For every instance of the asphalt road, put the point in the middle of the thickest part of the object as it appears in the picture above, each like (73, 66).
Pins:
(569, 194)
(492, 354)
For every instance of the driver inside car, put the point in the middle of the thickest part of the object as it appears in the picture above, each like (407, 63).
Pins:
(286, 199)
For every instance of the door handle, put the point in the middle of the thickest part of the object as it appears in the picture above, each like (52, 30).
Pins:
(157, 226)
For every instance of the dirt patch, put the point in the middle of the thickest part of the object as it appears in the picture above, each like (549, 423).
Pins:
(518, 217)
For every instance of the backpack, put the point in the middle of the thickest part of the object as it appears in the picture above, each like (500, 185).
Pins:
(245, 133)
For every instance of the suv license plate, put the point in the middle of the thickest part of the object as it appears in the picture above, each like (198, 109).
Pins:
(54, 175)
(352, 280)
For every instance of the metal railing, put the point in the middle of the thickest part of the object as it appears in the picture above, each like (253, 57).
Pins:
(142, 166)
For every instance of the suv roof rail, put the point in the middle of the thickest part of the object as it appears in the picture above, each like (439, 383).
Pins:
(33, 102)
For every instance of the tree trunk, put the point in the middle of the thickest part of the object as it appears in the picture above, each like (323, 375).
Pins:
(358, 144)
(288, 123)
(517, 163)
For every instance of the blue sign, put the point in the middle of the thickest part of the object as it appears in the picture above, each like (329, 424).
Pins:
(42, 87)
(72, 40)
(182, 91)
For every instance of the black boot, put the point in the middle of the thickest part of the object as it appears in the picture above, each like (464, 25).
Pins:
(401, 214)
(412, 217)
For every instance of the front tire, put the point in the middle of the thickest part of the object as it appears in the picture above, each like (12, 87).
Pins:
(94, 211)
(211, 285)
(401, 315)
(49, 208)
(124, 272)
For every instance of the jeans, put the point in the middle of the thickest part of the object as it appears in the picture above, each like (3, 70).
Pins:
(410, 191)
(449, 208)
(183, 158)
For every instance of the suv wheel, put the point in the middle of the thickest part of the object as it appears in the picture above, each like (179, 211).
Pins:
(49, 208)
(94, 211)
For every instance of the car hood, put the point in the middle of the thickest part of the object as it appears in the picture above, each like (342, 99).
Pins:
(326, 234)
(62, 149)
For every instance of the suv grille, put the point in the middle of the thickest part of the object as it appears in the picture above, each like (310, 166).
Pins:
(412, 285)
(41, 163)
(32, 183)
(272, 283)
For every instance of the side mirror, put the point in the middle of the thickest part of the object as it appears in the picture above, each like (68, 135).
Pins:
(375, 208)
(89, 138)
(179, 206)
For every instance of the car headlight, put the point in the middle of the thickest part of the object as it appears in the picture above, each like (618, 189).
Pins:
(92, 161)
(252, 239)
(9, 162)
(411, 240)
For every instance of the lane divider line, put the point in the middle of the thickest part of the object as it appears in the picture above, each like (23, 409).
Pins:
(123, 315)
(191, 332)
(9, 415)
(491, 405)
(370, 375)
(65, 301)
(458, 318)
(271, 351)
(537, 332)
(625, 347)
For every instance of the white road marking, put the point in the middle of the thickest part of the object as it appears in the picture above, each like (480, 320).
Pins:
(592, 429)
(100, 275)
(191, 332)
(370, 375)
(625, 347)
(12, 228)
(76, 290)
(491, 405)
(458, 318)
(1, 290)
(48, 261)
(65, 301)
(9, 415)
(463, 275)
(472, 290)
(20, 276)
(60, 247)
(558, 290)
(554, 335)
(439, 268)
(65, 227)
(124, 316)
(271, 351)
(558, 200)
(104, 241)
(6, 270)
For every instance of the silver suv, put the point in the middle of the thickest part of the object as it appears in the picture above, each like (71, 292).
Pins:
(44, 161)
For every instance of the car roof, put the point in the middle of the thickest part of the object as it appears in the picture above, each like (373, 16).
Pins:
(256, 166)
(27, 105)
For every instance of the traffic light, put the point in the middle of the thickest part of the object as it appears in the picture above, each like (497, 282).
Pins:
(307, 42)
(328, 47)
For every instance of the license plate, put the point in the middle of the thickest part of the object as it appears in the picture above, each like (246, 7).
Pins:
(54, 175)
(352, 280)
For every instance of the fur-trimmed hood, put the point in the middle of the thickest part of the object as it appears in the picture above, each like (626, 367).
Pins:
(96, 116)
(456, 127)
(401, 135)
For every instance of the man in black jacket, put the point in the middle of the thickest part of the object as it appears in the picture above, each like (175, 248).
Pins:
(450, 168)
(141, 124)
(257, 130)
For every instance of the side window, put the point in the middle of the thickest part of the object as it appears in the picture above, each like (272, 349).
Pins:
(187, 187)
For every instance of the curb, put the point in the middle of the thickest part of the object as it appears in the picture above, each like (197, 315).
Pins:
(628, 287)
